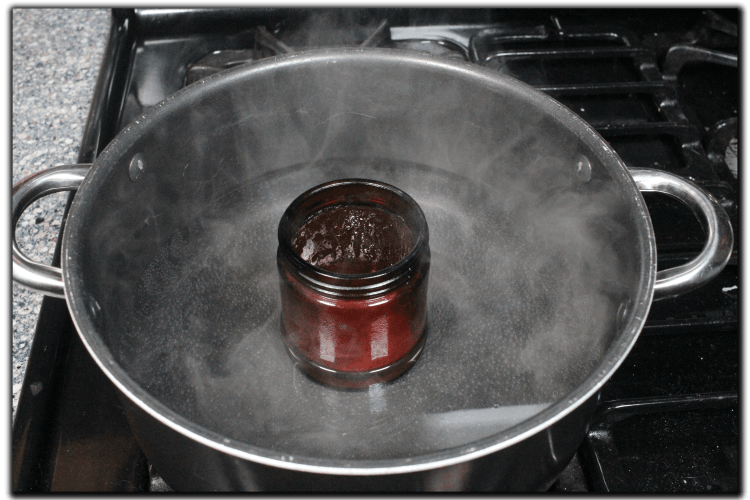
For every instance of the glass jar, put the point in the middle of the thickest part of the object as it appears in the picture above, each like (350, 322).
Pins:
(354, 330)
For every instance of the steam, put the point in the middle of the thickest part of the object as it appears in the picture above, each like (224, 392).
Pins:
(529, 262)
(521, 309)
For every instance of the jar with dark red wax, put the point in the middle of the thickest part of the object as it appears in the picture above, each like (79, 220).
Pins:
(354, 259)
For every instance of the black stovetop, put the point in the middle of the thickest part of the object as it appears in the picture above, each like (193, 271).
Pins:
(668, 418)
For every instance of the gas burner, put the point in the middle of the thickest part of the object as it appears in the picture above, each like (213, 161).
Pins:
(267, 44)
(723, 144)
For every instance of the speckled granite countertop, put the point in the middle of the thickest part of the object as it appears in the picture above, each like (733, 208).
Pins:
(56, 58)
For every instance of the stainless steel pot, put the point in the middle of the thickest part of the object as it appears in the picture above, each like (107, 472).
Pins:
(543, 270)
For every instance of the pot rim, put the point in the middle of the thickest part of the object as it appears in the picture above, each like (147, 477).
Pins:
(78, 302)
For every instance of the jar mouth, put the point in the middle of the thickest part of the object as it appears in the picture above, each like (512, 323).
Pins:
(356, 192)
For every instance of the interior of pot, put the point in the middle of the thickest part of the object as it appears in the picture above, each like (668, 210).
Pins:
(537, 252)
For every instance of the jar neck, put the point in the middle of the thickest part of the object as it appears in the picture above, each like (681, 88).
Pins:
(362, 193)
(370, 285)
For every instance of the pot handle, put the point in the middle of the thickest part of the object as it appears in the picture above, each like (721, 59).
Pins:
(40, 277)
(715, 221)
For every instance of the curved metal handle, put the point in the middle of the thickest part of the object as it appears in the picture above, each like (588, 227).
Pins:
(33, 275)
(715, 221)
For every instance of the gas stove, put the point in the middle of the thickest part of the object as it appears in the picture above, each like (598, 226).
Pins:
(661, 86)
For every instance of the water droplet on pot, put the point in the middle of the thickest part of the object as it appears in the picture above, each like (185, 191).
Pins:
(622, 313)
(137, 166)
(583, 169)
(95, 308)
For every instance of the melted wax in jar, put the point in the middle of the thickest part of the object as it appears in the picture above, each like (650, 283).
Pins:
(351, 239)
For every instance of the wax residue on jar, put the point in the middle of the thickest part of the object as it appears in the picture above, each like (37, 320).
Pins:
(352, 239)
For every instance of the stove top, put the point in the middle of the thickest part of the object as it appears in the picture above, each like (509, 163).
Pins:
(660, 85)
